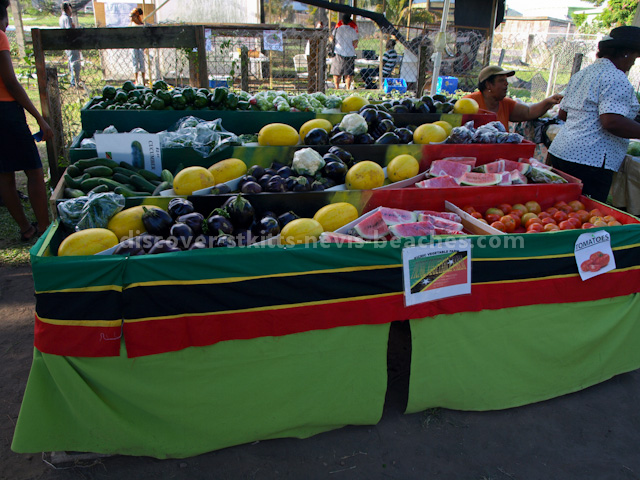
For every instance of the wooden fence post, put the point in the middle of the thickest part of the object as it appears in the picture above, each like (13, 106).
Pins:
(201, 46)
(526, 54)
(55, 147)
(577, 63)
(244, 68)
(501, 59)
(422, 69)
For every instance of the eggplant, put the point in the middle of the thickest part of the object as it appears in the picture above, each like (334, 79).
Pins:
(164, 246)
(421, 107)
(289, 183)
(157, 221)
(301, 185)
(147, 240)
(317, 186)
(240, 211)
(208, 240)
(271, 171)
(388, 138)
(251, 187)
(342, 138)
(267, 227)
(383, 127)
(399, 109)
(219, 223)
(380, 116)
(335, 130)
(197, 245)
(220, 189)
(179, 206)
(276, 184)
(182, 235)
(226, 241)
(385, 106)
(335, 171)
(244, 179)
(404, 134)
(369, 115)
(285, 172)
(368, 106)
(130, 247)
(269, 213)
(330, 157)
(326, 182)
(256, 171)
(411, 127)
(364, 139)
(194, 220)
(343, 155)
(286, 217)
(407, 102)
(277, 165)
(316, 136)
(264, 179)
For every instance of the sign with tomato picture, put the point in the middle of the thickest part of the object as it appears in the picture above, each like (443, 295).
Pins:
(432, 272)
(593, 254)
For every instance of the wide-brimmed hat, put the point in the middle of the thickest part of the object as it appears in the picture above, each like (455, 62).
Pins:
(622, 37)
(487, 72)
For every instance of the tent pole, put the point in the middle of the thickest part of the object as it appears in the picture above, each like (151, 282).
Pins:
(440, 43)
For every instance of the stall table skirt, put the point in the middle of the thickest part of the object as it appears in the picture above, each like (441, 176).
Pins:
(199, 399)
(496, 359)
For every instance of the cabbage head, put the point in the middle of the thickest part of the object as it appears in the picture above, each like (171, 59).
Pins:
(354, 123)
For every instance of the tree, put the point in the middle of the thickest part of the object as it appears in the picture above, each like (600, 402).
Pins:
(615, 14)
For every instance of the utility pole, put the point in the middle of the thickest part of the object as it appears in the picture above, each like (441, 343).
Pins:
(16, 13)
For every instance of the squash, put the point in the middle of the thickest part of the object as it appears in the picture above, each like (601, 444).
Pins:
(300, 230)
(335, 215)
(87, 242)
(364, 175)
(128, 223)
(228, 169)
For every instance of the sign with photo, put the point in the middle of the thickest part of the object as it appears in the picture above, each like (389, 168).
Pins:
(142, 150)
(593, 254)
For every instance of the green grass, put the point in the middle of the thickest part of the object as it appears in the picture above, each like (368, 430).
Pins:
(33, 18)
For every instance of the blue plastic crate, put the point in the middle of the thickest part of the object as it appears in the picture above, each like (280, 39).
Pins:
(398, 84)
(447, 85)
(218, 83)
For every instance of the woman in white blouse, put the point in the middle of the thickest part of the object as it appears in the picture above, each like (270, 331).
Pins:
(599, 107)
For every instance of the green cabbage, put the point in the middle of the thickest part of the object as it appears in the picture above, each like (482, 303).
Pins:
(634, 148)
(354, 123)
(307, 161)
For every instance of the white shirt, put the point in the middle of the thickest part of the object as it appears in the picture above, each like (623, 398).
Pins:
(344, 38)
(597, 89)
(65, 21)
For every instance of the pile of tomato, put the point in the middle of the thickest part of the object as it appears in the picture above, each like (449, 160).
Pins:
(530, 218)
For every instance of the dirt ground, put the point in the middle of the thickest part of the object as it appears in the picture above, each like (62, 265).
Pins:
(592, 434)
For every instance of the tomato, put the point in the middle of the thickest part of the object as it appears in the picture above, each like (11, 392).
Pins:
(559, 204)
(566, 209)
(494, 211)
(492, 217)
(551, 210)
(547, 221)
(543, 215)
(595, 219)
(583, 215)
(596, 212)
(600, 223)
(551, 227)
(483, 221)
(531, 221)
(499, 226)
(609, 218)
(476, 214)
(575, 222)
(505, 207)
(516, 218)
(586, 225)
(614, 223)
(560, 216)
(469, 209)
(535, 228)
(509, 223)
(576, 205)
(565, 225)
(533, 207)
(527, 216)
(520, 207)
(520, 229)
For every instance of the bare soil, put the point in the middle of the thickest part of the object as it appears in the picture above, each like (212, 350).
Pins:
(591, 434)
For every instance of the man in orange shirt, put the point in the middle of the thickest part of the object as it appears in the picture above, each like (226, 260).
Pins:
(492, 86)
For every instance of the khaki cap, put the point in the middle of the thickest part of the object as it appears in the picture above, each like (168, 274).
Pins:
(486, 72)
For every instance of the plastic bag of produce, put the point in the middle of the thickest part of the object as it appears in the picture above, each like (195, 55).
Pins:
(98, 209)
(634, 148)
(70, 211)
(541, 175)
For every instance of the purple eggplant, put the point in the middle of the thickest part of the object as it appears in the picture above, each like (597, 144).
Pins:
(285, 172)
(226, 241)
(342, 138)
(343, 155)
(244, 238)
(178, 207)
(251, 187)
(364, 139)
(286, 217)
(276, 184)
(240, 211)
(335, 171)
(130, 247)
(157, 221)
(219, 223)
(182, 235)
(264, 179)
(383, 127)
(256, 171)
(194, 220)
(267, 227)
(244, 179)
(164, 246)
(302, 184)
(316, 136)
(317, 186)
(220, 189)
(404, 134)
(147, 241)
(276, 165)
(369, 115)
(388, 139)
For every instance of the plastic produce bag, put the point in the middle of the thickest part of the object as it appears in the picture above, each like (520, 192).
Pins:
(70, 211)
(98, 210)
(205, 137)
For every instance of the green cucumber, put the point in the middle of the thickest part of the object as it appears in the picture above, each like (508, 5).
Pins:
(166, 176)
(72, 182)
(125, 192)
(112, 184)
(99, 189)
(142, 183)
(119, 177)
(95, 162)
(90, 183)
(99, 171)
(128, 166)
(74, 171)
(123, 171)
(160, 188)
(147, 175)
(73, 193)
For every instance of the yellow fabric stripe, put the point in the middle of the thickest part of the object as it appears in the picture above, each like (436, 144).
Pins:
(554, 277)
(101, 288)
(207, 281)
(263, 309)
(82, 323)
(542, 257)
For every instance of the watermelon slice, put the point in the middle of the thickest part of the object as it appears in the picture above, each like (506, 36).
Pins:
(493, 167)
(535, 163)
(438, 182)
(446, 167)
(476, 179)
(517, 178)
(394, 216)
(440, 222)
(506, 178)
(373, 227)
(454, 217)
(447, 231)
(414, 229)
(335, 237)
(471, 161)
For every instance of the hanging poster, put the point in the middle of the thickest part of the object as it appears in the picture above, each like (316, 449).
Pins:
(142, 150)
(273, 40)
(593, 254)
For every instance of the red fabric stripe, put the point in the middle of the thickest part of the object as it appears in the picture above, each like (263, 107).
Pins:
(77, 341)
(165, 335)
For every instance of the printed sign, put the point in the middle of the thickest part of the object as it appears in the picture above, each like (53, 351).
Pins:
(273, 40)
(432, 272)
(593, 254)
(142, 150)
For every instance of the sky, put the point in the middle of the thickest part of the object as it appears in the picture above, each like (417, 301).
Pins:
(546, 8)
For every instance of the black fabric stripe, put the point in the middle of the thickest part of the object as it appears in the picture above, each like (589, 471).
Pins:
(82, 305)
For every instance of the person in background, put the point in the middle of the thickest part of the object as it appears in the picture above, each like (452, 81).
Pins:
(74, 57)
(599, 107)
(138, 53)
(389, 59)
(19, 152)
(345, 38)
(492, 93)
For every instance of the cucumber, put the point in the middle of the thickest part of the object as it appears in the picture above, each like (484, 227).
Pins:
(141, 183)
(99, 189)
(125, 192)
(73, 193)
(155, 182)
(147, 175)
(163, 186)
(166, 176)
(74, 171)
(121, 178)
(128, 166)
(99, 171)
(90, 183)
(123, 171)
(95, 162)
(110, 183)
(75, 182)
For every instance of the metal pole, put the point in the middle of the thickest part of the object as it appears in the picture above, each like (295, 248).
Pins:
(440, 43)
(551, 74)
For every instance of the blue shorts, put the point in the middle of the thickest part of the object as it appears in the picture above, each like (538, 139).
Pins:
(138, 59)
(18, 150)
